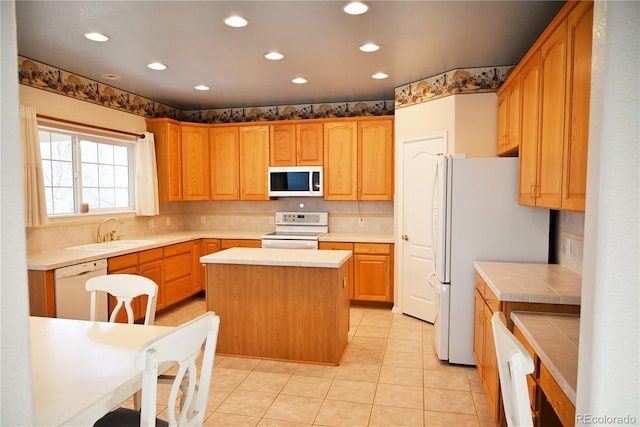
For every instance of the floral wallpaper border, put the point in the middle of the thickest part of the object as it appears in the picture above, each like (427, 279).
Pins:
(42, 76)
(46, 77)
(468, 80)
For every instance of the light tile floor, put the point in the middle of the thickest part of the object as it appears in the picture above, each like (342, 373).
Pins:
(389, 376)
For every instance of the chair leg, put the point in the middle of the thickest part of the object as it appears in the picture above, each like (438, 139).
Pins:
(137, 400)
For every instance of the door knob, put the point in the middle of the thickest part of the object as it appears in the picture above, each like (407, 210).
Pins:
(405, 237)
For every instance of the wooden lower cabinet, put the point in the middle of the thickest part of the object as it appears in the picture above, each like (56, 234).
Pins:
(371, 270)
(150, 266)
(486, 303)
(240, 243)
(340, 246)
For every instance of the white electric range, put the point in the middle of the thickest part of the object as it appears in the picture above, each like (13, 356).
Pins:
(297, 230)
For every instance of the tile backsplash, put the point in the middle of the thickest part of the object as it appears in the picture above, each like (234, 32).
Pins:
(570, 240)
(241, 216)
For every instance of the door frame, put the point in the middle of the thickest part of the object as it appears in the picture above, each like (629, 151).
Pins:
(399, 212)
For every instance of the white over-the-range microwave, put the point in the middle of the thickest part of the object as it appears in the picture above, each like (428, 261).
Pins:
(295, 181)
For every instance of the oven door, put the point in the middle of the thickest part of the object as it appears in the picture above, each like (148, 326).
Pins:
(289, 244)
(441, 324)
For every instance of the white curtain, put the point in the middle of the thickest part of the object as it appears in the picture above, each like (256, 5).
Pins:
(146, 176)
(35, 201)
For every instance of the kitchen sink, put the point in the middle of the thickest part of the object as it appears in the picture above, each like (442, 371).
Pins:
(112, 246)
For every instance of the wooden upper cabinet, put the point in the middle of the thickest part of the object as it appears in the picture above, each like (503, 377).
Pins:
(225, 163)
(254, 162)
(282, 145)
(509, 117)
(309, 144)
(528, 151)
(341, 160)
(196, 179)
(553, 59)
(579, 38)
(167, 137)
(375, 160)
(296, 144)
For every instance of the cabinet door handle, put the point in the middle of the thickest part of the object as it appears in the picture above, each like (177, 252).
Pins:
(405, 237)
(532, 191)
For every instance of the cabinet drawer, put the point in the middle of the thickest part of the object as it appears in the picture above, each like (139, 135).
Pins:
(177, 266)
(336, 246)
(122, 262)
(536, 365)
(240, 243)
(556, 397)
(150, 255)
(372, 248)
(492, 300)
(179, 248)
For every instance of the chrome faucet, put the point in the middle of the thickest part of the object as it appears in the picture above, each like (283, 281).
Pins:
(99, 237)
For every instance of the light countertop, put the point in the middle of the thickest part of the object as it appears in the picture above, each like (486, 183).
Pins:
(554, 338)
(57, 258)
(534, 283)
(278, 257)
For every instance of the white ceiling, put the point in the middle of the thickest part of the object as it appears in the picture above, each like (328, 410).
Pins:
(418, 39)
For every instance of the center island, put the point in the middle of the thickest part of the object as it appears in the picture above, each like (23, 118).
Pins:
(280, 304)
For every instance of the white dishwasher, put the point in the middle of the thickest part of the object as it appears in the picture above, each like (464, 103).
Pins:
(72, 299)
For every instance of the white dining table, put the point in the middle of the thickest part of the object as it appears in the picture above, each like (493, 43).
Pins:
(81, 369)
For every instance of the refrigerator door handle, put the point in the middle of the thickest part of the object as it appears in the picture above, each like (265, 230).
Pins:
(434, 214)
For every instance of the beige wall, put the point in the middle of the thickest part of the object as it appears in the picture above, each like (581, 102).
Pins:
(470, 121)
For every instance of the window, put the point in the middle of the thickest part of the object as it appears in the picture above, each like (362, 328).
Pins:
(83, 168)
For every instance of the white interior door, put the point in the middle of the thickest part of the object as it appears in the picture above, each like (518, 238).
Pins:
(419, 157)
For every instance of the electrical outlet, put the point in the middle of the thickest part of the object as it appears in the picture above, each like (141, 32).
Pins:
(361, 222)
(203, 220)
(168, 220)
(152, 223)
(567, 247)
(271, 220)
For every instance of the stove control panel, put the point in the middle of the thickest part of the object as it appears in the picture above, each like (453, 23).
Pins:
(302, 218)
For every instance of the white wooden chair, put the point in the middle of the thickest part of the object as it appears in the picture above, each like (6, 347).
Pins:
(183, 346)
(124, 287)
(514, 363)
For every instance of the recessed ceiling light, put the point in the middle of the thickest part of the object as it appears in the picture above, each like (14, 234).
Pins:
(109, 76)
(236, 21)
(369, 47)
(96, 37)
(274, 56)
(201, 87)
(380, 76)
(299, 80)
(157, 66)
(356, 8)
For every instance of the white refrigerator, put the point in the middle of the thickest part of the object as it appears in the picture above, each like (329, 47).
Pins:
(476, 217)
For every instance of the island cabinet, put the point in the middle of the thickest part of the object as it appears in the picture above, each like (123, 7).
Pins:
(553, 159)
(196, 181)
(281, 304)
(254, 162)
(509, 120)
(486, 303)
(299, 144)
(358, 160)
(225, 163)
(371, 267)
(167, 135)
